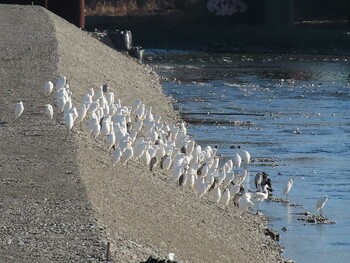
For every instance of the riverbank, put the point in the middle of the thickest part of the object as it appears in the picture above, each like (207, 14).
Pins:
(60, 199)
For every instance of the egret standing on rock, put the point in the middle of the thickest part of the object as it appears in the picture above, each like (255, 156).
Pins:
(320, 203)
(19, 109)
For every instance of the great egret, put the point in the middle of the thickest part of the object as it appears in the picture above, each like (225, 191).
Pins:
(288, 186)
(321, 202)
(19, 109)
(49, 111)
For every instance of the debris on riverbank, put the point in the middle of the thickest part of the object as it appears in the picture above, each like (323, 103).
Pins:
(315, 219)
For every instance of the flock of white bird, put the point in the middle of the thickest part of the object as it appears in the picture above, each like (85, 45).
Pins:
(135, 133)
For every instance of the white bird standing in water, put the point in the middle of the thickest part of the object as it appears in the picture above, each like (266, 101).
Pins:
(19, 109)
(261, 196)
(321, 202)
(49, 111)
(287, 187)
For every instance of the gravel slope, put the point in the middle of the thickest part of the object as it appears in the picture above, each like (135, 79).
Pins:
(60, 199)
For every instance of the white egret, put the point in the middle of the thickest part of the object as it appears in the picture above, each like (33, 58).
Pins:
(191, 178)
(60, 82)
(81, 114)
(140, 112)
(49, 111)
(96, 130)
(287, 187)
(321, 202)
(225, 199)
(236, 160)
(228, 179)
(216, 195)
(127, 155)
(245, 155)
(261, 196)
(136, 105)
(69, 120)
(110, 98)
(177, 171)
(19, 109)
(234, 189)
(201, 187)
(117, 154)
(48, 88)
(140, 148)
(244, 203)
(110, 139)
(165, 163)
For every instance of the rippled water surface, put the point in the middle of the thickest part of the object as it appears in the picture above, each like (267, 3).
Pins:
(292, 113)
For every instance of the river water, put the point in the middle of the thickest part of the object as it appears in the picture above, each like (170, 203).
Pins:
(292, 113)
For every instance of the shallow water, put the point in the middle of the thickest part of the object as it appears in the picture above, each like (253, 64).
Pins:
(292, 113)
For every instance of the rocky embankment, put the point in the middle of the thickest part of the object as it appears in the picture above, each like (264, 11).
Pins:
(60, 199)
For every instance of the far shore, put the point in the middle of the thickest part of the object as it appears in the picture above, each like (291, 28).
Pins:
(179, 32)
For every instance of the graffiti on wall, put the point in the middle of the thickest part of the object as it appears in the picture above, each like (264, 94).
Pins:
(226, 7)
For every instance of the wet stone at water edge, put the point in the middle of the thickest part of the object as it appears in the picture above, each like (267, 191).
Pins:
(316, 219)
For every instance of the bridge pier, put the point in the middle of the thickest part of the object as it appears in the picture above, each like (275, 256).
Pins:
(71, 10)
(279, 13)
